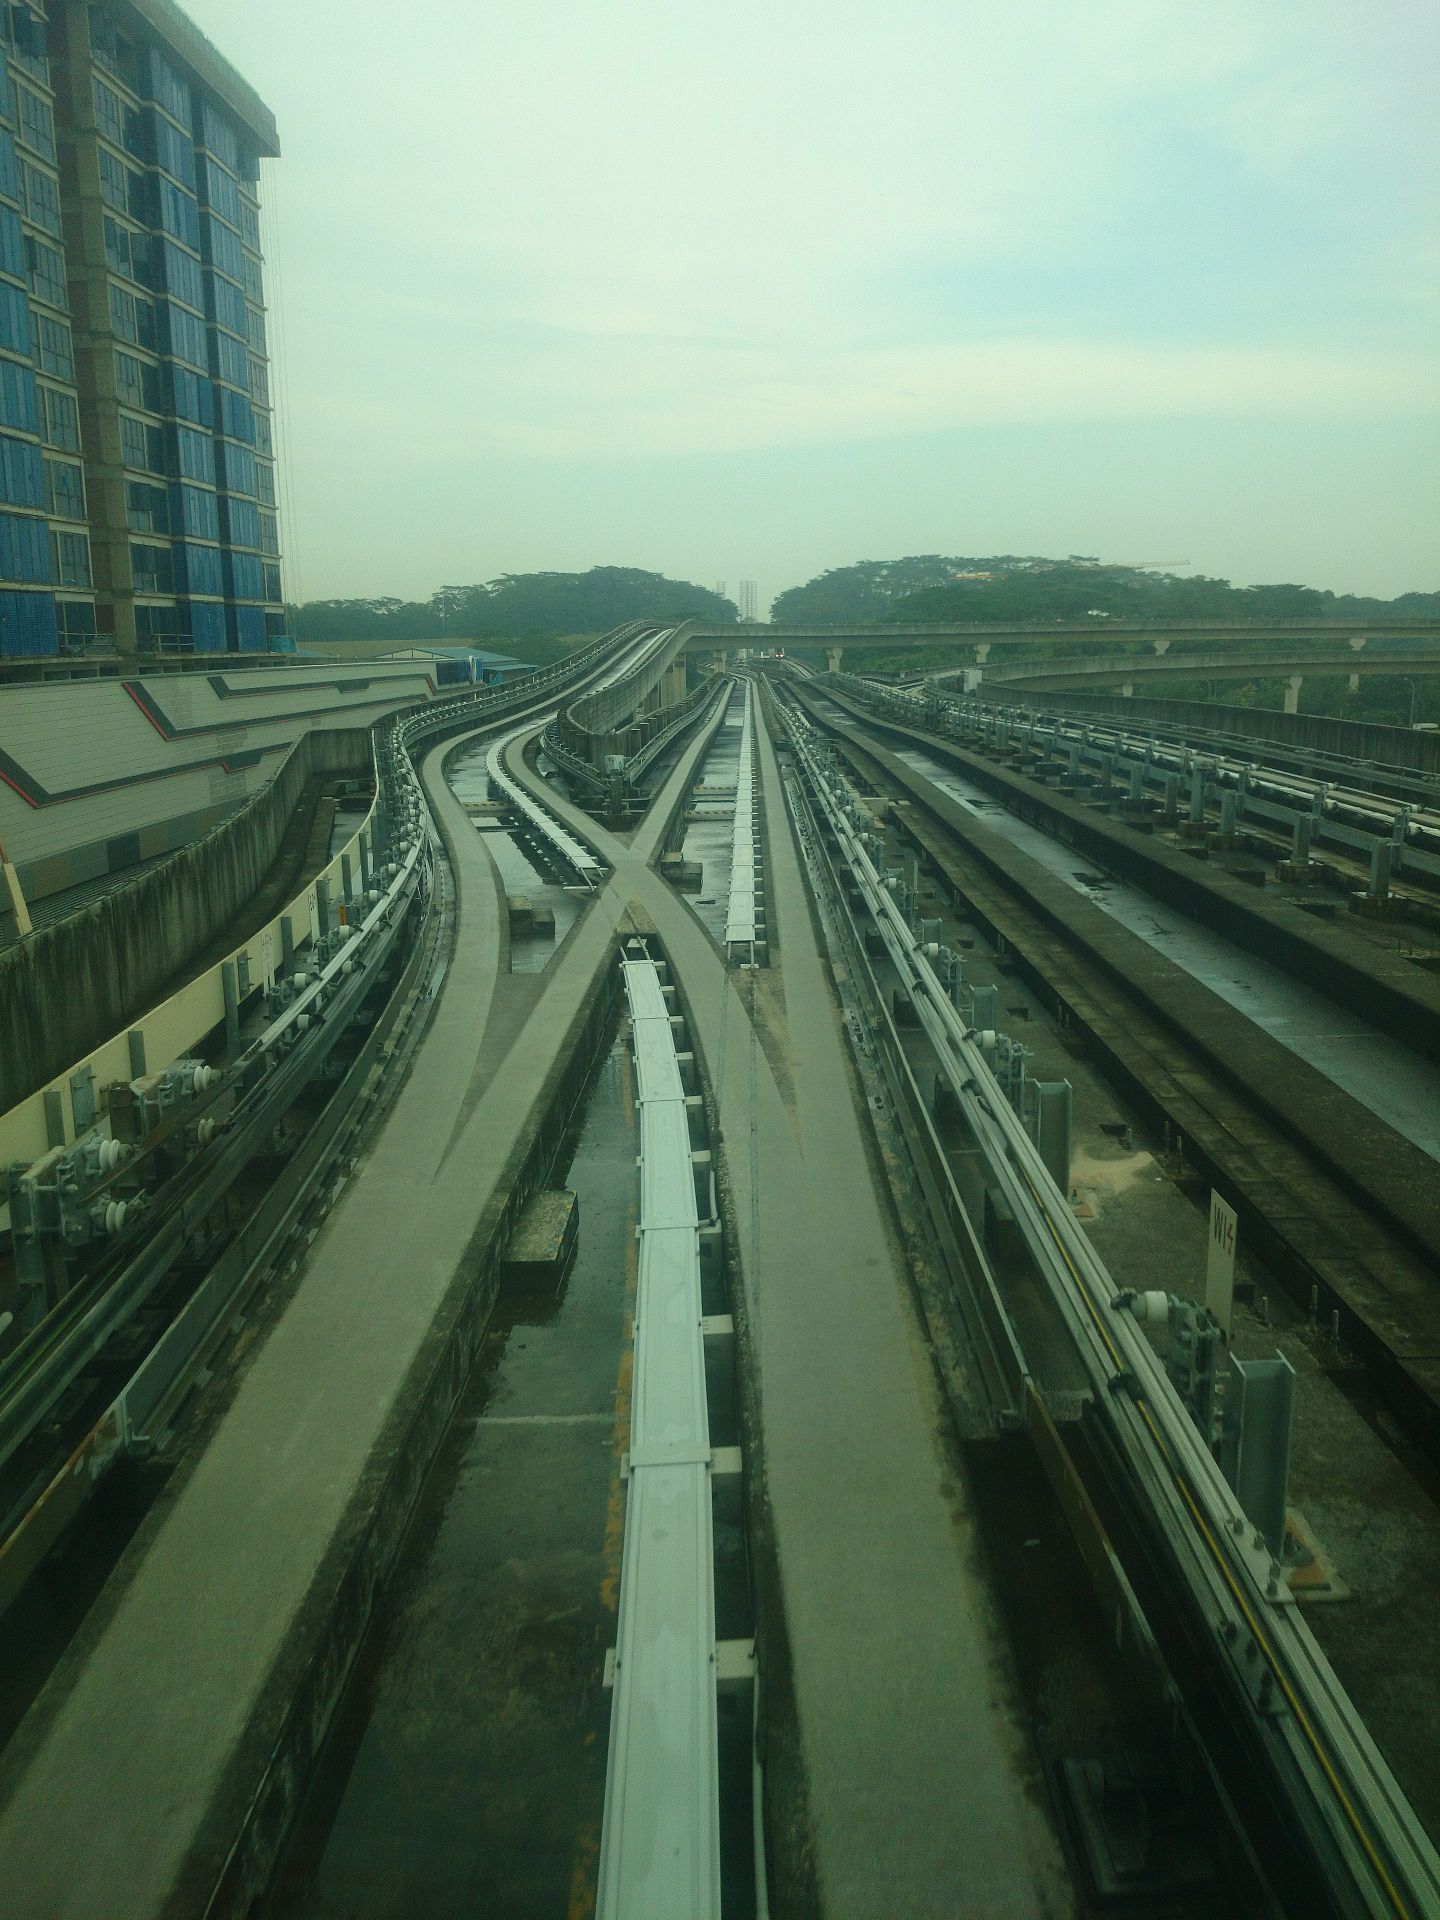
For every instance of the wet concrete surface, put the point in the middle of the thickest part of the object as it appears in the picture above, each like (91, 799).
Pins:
(1381, 1073)
(466, 1771)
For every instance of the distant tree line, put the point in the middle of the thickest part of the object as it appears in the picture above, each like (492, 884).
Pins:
(938, 588)
(527, 612)
(533, 604)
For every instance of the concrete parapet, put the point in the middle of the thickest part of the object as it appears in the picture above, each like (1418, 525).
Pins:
(70, 986)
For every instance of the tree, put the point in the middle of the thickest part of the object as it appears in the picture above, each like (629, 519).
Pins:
(870, 589)
(537, 604)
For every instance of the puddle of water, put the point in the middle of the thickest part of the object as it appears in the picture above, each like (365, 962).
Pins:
(1111, 1177)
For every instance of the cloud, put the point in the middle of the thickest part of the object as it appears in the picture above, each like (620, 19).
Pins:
(631, 399)
(528, 237)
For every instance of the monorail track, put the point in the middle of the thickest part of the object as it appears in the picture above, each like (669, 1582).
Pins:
(105, 1373)
(1288, 1783)
(1339, 1205)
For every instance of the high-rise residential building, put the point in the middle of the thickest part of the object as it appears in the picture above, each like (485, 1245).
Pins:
(137, 469)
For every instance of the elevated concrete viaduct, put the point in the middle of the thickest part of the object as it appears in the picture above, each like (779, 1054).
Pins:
(1290, 661)
(159, 1770)
(983, 635)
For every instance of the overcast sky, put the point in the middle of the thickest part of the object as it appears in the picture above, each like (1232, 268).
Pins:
(756, 288)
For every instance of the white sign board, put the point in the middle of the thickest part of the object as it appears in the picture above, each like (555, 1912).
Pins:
(1220, 1262)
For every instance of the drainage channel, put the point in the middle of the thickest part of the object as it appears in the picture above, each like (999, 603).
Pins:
(466, 1768)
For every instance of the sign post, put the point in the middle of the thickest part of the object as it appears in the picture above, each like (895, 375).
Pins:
(1220, 1263)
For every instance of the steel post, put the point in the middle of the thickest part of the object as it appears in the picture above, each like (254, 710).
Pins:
(230, 987)
(1051, 1128)
(1256, 1435)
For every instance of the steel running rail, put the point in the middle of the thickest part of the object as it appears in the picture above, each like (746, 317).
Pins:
(660, 1841)
(745, 910)
(1369, 1846)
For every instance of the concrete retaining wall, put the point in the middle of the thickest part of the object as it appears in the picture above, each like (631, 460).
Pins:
(1387, 746)
(68, 987)
(97, 776)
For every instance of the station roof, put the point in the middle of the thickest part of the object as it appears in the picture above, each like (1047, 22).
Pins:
(482, 654)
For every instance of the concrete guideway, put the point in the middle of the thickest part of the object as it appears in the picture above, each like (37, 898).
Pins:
(123, 1790)
(125, 1787)
(135, 1734)
(918, 1774)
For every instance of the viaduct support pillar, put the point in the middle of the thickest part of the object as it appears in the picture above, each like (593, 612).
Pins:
(1292, 692)
(833, 656)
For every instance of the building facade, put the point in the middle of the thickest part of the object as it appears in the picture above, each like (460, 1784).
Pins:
(137, 469)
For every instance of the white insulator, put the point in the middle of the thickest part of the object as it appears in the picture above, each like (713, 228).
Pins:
(986, 1039)
(112, 1152)
(302, 1023)
(203, 1079)
(205, 1132)
(115, 1215)
(1152, 1310)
